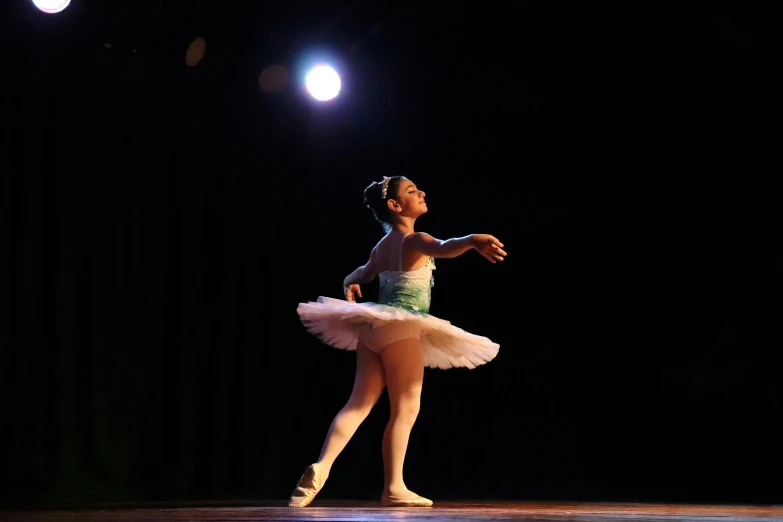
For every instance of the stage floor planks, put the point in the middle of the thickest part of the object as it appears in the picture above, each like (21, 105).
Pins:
(442, 511)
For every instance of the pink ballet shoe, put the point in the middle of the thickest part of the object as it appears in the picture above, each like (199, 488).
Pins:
(417, 501)
(307, 487)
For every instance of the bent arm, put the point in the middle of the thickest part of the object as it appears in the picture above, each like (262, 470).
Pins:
(427, 245)
(364, 274)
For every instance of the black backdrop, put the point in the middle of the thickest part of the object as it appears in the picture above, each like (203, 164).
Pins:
(160, 224)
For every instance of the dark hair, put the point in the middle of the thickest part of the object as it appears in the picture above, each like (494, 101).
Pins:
(373, 198)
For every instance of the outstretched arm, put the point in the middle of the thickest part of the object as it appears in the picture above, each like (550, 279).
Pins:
(486, 245)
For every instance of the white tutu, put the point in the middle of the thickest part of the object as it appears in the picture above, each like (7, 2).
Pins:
(338, 323)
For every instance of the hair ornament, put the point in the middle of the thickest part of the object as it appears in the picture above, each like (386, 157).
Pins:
(384, 187)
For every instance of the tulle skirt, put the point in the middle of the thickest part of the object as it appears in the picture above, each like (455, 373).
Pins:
(340, 324)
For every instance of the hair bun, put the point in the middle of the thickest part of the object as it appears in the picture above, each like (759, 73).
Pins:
(375, 198)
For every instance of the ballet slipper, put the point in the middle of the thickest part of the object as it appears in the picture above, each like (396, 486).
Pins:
(393, 501)
(307, 487)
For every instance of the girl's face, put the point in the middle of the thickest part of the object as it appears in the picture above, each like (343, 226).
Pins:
(409, 201)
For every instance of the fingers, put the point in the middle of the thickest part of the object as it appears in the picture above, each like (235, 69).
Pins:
(352, 292)
(495, 241)
(494, 252)
(498, 253)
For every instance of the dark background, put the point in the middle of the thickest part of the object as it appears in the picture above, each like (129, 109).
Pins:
(160, 223)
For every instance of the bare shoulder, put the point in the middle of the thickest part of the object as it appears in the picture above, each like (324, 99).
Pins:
(375, 249)
(415, 253)
(380, 246)
(379, 253)
(419, 239)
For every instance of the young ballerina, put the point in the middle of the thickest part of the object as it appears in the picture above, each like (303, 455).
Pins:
(395, 338)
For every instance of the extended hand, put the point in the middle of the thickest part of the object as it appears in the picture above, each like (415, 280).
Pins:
(489, 247)
(352, 292)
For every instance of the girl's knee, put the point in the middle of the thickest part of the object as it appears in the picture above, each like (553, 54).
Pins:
(406, 411)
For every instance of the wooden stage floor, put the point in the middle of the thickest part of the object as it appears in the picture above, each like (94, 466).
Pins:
(356, 511)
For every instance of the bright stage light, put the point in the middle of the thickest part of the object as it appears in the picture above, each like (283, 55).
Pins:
(323, 83)
(51, 6)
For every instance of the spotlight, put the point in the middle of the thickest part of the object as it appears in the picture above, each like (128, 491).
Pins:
(323, 83)
(51, 6)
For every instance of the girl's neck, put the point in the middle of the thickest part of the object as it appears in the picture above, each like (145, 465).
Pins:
(404, 225)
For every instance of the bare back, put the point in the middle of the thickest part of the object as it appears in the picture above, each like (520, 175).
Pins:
(391, 254)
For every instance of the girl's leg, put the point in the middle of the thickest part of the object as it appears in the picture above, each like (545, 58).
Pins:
(404, 370)
(367, 388)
